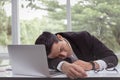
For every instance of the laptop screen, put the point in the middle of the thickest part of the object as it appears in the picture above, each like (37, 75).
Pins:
(28, 60)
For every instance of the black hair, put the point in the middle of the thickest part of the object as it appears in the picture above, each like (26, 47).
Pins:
(47, 39)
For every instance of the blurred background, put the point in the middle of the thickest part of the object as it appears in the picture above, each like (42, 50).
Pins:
(99, 17)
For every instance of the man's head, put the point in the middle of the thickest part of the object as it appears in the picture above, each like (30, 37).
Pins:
(56, 45)
(47, 39)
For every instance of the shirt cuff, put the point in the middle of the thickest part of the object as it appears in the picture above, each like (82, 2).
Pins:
(59, 65)
(102, 64)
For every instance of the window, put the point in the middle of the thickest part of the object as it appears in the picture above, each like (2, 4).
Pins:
(5, 29)
(37, 16)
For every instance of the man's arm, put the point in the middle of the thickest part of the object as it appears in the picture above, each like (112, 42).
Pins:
(53, 63)
(101, 52)
(73, 71)
(94, 65)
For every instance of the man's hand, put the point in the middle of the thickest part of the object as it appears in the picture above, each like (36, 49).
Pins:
(73, 71)
(85, 65)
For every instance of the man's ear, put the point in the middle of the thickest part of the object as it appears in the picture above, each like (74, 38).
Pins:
(60, 37)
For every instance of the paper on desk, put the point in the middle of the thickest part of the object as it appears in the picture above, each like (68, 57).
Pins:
(105, 73)
(99, 74)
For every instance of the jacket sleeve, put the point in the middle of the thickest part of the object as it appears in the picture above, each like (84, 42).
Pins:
(53, 63)
(102, 52)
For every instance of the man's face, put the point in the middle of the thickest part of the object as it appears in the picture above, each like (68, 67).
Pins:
(60, 49)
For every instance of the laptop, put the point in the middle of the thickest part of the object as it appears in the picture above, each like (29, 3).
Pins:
(30, 60)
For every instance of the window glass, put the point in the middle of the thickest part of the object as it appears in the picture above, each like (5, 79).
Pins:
(5, 29)
(37, 16)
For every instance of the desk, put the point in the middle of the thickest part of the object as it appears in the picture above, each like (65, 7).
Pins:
(102, 75)
(91, 78)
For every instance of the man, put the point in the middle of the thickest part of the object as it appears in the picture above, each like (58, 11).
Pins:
(73, 53)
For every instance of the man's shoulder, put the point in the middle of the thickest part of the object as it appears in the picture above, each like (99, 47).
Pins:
(74, 33)
(81, 34)
(84, 33)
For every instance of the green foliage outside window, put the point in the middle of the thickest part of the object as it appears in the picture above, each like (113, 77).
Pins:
(99, 17)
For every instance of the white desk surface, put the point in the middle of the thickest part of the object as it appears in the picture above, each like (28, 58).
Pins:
(6, 72)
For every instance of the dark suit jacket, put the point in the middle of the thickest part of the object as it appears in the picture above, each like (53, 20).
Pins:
(87, 48)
